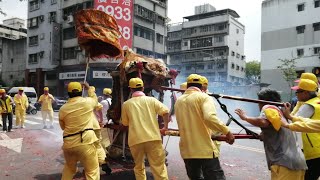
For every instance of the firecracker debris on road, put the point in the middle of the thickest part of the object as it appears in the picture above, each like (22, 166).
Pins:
(35, 153)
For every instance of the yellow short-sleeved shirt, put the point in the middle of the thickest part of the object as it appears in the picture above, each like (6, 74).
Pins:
(197, 118)
(46, 102)
(75, 116)
(140, 114)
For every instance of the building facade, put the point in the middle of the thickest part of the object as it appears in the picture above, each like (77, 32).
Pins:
(43, 44)
(210, 43)
(68, 62)
(289, 30)
(13, 60)
(13, 28)
(12, 51)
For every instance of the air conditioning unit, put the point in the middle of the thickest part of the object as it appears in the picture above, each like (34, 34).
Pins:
(42, 36)
(41, 54)
(41, 18)
(70, 19)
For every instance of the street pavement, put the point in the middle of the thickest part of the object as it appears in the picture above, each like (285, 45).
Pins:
(35, 153)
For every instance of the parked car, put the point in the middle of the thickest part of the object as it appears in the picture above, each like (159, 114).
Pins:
(30, 92)
(59, 101)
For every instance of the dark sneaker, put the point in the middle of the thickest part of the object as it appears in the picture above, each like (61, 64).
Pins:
(106, 169)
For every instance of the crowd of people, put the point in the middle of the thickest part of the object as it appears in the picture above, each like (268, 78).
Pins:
(289, 155)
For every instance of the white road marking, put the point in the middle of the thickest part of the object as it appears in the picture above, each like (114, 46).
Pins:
(248, 148)
(13, 144)
(31, 122)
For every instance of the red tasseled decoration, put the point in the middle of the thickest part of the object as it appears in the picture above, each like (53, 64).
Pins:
(139, 65)
(173, 73)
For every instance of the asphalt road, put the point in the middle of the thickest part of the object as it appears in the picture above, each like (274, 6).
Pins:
(35, 153)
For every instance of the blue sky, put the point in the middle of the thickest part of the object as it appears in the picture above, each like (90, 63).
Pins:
(249, 11)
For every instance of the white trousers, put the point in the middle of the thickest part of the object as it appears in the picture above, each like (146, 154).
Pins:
(44, 117)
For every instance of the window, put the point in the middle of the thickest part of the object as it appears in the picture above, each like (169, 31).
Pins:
(218, 39)
(243, 57)
(145, 13)
(238, 67)
(69, 53)
(242, 69)
(185, 43)
(237, 43)
(300, 29)
(33, 58)
(316, 50)
(69, 33)
(33, 40)
(232, 53)
(300, 7)
(34, 5)
(11, 60)
(203, 42)
(316, 26)
(188, 67)
(33, 22)
(221, 27)
(201, 67)
(160, 20)
(52, 16)
(144, 33)
(53, 1)
(317, 3)
(232, 66)
(159, 38)
(210, 66)
(238, 55)
(237, 31)
(220, 65)
(300, 52)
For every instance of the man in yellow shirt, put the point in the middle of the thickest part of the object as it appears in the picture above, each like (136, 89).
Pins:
(22, 104)
(196, 117)
(76, 119)
(140, 114)
(306, 92)
(300, 124)
(6, 110)
(46, 107)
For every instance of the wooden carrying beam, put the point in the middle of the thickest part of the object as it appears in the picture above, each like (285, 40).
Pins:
(230, 97)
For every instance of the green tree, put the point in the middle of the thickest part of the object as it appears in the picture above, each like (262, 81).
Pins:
(253, 71)
(288, 70)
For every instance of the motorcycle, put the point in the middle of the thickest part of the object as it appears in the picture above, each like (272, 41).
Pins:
(30, 110)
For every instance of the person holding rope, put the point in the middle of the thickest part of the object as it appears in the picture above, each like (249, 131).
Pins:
(300, 124)
(306, 92)
(285, 159)
(196, 117)
(76, 119)
(144, 139)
